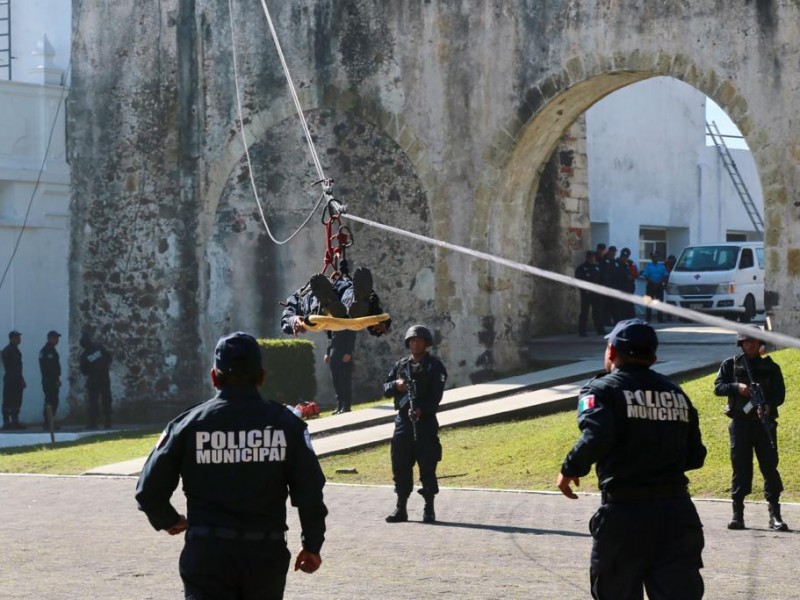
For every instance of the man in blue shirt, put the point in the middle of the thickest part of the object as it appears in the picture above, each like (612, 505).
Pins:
(655, 274)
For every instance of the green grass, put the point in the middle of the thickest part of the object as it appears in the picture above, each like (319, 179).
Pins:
(524, 454)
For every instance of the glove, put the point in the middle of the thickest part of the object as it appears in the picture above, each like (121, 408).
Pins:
(308, 562)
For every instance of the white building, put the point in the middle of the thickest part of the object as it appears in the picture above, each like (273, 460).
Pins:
(653, 181)
(34, 185)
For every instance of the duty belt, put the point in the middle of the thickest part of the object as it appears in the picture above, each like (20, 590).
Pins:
(224, 533)
(658, 492)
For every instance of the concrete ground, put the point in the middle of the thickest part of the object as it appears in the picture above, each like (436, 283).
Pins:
(82, 537)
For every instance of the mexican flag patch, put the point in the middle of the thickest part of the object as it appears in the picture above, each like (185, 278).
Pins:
(585, 403)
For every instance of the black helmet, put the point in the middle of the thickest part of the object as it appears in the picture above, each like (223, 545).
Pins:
(741, 337)
(419, 331)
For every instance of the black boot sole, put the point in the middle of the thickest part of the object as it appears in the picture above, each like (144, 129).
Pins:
(326, 296)
(362, 288)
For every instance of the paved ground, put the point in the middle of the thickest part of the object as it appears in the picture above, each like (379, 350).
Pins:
(82, 537)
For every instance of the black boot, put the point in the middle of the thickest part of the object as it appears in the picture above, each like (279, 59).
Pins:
(400, 514)
(775, 521)
(428, 514)
(737, 521)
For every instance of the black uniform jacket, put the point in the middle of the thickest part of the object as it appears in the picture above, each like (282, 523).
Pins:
(12, 363)
(430, 379)
(95, 362)
(239, 457)
(640, 429)
(49, 364)
(765, 371)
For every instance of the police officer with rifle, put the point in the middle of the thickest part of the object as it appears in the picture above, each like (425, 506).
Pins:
(755, 389)
(417, 383)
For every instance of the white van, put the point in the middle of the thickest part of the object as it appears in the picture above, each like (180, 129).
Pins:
(726, 279)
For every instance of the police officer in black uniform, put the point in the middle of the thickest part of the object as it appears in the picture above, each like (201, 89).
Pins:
(13, 382)
(50, 367)
(416, 434)
(589, 271)
(239, 457)
(747, 432)
(95, 363)
(643, 433)
(606, 264)
(339, 357)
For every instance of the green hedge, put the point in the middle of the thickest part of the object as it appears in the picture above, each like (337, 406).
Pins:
(290, 371)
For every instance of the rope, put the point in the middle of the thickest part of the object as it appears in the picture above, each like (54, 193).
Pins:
(244, 137)
(778, 339)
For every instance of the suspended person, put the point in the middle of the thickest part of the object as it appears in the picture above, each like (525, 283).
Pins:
(589, 271)
(417, 379)
(95, 364)
(341, 298)
(748, 433)
(655, 276)
(50, 368)
(647, 532)
(238, 457)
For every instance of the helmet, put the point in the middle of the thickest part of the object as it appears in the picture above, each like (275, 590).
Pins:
(741, 337)
(419, 331)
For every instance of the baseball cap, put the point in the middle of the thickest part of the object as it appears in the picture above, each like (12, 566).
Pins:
(612, 248)
(13, 333)
(634, 337)
(53, 333)
(625, 252)
(237, 351)
(590, 253)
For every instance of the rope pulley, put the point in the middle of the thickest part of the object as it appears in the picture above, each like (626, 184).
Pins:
(338, 237)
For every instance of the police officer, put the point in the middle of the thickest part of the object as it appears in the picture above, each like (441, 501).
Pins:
(339, 357)
(13, 382)
(606, 264)
(417, 379)
(624, 274)
(50, 367)
(643, 433)
(589, 271)
(95, 363)
(239, 457)
(747, 432)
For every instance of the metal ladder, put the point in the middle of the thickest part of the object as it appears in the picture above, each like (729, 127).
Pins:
(5, 39)
(736, 177)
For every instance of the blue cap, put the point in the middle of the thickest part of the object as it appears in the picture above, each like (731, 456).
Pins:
(237, 349)
(53, 333)
(13, 333)
(634, 337)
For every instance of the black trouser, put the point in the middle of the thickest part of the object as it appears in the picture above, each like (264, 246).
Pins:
(50, 389)
(214, 569)
(342, 376)
(593, 302)
(97, 392)
(655, 291)
(426, 452)
(655, 544)
(12, 400)
(747, 434)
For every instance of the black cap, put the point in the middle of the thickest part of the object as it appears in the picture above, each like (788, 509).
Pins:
(601, 246)
(13, 333)
(612, 248)
(634, 337)
(590, 254)
(655, 254)
(53, 333)
(625, 252)
(239, 351)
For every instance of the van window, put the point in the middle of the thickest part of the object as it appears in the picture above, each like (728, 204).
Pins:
(708, 258)
(746, 261)
(760, 257)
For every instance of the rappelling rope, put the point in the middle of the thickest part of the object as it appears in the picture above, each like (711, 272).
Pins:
(778, 339)
(317, 164)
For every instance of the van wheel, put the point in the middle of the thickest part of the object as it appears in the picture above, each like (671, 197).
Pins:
(749, 310)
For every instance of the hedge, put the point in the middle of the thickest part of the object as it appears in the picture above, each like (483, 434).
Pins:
(290, 370)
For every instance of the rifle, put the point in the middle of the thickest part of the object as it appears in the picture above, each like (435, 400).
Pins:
(412, 399)
(758, 401)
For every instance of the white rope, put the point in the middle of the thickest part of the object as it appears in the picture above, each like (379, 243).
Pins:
(778, 339)
(244, 137)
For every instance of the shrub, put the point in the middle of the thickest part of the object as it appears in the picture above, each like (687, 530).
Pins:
(290, 371)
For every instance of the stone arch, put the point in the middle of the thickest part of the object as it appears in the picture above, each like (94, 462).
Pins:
(523, 145)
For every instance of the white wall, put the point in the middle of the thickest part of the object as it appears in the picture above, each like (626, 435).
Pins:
(34, 296)
(649, 166)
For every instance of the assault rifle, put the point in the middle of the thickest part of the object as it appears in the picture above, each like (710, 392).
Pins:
(412, 399)
(758, 402)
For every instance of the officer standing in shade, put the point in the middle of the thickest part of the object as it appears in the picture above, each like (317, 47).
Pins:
(747, 431)
(50, 367)
(13, 382)
(95, 363)
(239, 457)
(589, 271)
(417, 379)
(339, 357)
(643, 433)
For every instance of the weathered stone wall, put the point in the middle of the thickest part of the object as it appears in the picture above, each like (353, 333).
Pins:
(438, 117)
